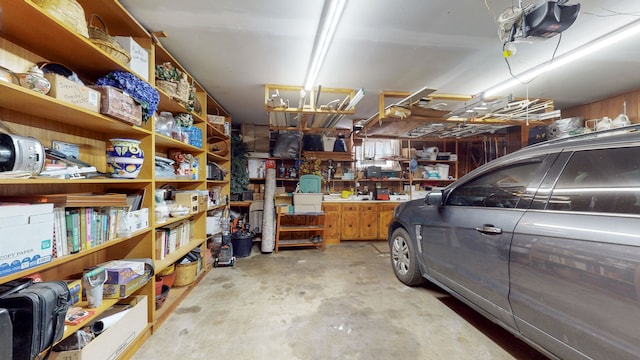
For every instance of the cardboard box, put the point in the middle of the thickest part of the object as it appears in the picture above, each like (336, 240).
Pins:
(188, 199)
(283, 200)
(118, 105)
(139, 56)
(73, 93)
(27, 236)
(122, 271)
(133, 221)
(116, 339)
(307, 202)
(256, 137)
(122, 291)
(307, 208)
(307, 199)
(216, 119)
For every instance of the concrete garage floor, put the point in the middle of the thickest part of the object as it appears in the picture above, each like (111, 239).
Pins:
(343, 303)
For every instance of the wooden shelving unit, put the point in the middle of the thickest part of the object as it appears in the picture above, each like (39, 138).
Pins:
(300, 230)
(26, 38)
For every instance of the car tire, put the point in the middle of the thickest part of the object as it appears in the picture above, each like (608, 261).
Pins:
(404, 259)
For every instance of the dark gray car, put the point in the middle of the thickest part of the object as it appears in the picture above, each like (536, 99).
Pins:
(544, 241)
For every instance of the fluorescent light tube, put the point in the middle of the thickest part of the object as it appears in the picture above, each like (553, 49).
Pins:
(326, 29)
(356, 99)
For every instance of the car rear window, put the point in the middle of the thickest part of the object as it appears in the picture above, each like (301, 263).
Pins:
(602, 180)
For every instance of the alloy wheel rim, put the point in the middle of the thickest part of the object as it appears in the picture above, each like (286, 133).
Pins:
(400, 255)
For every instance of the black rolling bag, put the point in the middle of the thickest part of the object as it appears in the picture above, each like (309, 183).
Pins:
(37, 313)
(6, 333)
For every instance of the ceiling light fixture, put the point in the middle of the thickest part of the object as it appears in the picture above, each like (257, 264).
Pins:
(580, 52)
(329, 20)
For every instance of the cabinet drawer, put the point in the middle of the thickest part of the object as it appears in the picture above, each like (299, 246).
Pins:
(387, 207)
(330, 207)
(350, 207)
(368, 207)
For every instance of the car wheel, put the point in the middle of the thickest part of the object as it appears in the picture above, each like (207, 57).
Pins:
(404, 259)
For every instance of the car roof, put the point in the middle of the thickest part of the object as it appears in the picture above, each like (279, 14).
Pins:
(598, 139)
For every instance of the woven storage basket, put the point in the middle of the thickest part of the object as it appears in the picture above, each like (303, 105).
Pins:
(68, 12)
(168, 87)
(101, 38)
(186, 274)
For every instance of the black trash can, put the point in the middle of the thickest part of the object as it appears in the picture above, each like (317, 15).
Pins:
(242, 242)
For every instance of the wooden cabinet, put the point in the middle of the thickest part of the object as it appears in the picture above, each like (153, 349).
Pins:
(300, 229)
(359, 222)
(385, 214)
(332, 220)
(349, 222)
(26, 38)
(368, 221)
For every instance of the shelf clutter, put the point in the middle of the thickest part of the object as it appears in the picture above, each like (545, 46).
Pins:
(109, 179)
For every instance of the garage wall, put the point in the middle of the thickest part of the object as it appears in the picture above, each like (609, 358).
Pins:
(610, 107)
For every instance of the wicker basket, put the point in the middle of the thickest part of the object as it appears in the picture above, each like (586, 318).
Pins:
(168, 87)
(100, 37)
(69, 12)
(186, 274)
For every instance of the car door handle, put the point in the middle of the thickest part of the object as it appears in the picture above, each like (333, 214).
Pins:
(489, 229)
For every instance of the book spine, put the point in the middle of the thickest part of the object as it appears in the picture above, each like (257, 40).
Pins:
(72, 217)
(63, 231)
(105, 227)
(89, 228)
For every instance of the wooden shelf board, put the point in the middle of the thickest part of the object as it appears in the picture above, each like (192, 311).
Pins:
(106, 304)
(42, 180)
(216, 158)
(176, 295)
(165, 141)
(326, 155)
(176, 255)
(117, 18)
(217, 182)
(213, 132)
(86, 59)
(66, 258)
(168, 104)
(27, 101)
(300, 228)
(299, 243)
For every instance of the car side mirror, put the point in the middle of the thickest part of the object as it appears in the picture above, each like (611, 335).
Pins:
(433, 198)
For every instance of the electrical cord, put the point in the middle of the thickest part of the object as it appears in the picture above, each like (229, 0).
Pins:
(553, 56)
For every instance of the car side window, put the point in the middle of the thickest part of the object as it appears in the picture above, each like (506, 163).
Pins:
(601, 180)
(502, 188)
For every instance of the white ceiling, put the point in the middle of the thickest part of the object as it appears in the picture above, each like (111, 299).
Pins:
(234, 47)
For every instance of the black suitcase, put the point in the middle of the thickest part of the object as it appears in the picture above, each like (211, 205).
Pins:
(6, 333)
(37, 314)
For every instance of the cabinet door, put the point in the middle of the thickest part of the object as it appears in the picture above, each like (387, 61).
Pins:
(349, 223)
(332, 229)
(385, 213)
(332, 221)
(368, 221)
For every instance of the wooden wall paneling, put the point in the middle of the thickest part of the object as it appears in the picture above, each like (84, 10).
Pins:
(610, 107)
